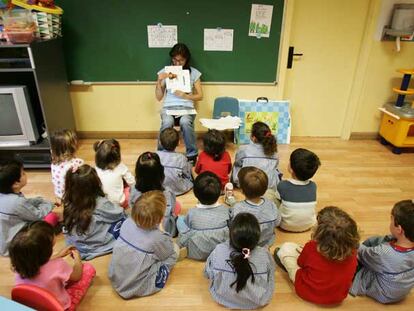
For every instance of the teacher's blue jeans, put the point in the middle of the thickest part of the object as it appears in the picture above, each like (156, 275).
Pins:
(187, 128)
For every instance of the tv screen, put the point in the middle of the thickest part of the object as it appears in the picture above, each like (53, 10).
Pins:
(9, 119)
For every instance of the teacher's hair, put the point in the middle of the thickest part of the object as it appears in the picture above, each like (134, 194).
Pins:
(181, 49)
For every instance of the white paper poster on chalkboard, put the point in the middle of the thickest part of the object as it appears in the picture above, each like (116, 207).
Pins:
(218, 39)
(260, 20)
(160, 36)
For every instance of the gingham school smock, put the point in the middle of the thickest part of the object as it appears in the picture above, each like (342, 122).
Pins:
(203, 228)
(141, 261)
(266, 213)
(169, 217)
(177, 170)
(103, 230)
(387, 272)
(15, 212)
(253, 155)
(221, 275)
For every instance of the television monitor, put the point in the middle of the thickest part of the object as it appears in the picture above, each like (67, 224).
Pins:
(17, 121)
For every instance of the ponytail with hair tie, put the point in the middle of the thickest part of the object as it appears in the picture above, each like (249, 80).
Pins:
(246, 252)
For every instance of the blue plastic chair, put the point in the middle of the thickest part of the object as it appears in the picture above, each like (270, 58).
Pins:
(226, 106)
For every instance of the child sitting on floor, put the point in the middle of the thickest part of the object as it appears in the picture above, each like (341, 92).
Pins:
(31, 258)
(15, 209)
(323, 270)
(177, 169)
(253, 182)
(149, 175)
(298, 194)
(386, 264)
(63, 146)
(214, 158)
(204, 226)
(241, 273)
(91, 221)
(143, 255)
(112, 172)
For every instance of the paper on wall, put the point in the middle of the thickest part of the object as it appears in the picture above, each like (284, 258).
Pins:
(160, 36)
(218, 39)
(260, 20)
(182, 80)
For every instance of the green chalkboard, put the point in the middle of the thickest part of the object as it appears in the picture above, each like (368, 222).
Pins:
(107, 41)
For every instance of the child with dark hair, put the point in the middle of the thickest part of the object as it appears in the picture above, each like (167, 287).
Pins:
(241, 273)
(91, 221)
(206, 225)
(15, 209)
(32, 260)
(298, 194)
(253, 182)
(386, 264)
(215, 158)
(260, 153)
(149, 175)
(63, 145)
(323, 270)
(143, 255)
(112, 172)
(177, 169)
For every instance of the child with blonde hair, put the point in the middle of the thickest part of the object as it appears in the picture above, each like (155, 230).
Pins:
(63, 145)
(91, 221)
(15, 209)
(260, 153)
(112, 172)
(323, 269)
(386, 264)
(253, 183)
(241, 273)
(143, 255)
(32, 260)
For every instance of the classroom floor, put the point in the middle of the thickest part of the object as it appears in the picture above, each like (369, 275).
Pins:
(361, 176)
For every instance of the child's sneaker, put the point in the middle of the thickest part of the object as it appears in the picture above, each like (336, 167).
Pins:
(277, 259)
(229, 198)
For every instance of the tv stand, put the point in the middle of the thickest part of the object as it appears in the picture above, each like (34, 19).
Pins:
(40, 67)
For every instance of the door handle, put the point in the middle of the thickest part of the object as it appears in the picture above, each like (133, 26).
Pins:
(291, 55)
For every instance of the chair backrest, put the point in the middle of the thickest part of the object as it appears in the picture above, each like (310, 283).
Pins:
(225, 106)
(36, 297)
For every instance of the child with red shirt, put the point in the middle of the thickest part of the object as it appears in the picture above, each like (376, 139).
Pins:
(323, 270)
(215, 158)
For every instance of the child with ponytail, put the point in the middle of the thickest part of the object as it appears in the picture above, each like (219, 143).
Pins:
(241, 273)
(260, 153)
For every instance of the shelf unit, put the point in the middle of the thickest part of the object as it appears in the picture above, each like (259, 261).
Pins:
(40, 67)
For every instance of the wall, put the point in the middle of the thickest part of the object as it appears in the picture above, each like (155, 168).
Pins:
(133, 108)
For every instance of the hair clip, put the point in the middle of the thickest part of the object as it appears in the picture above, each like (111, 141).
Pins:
(149, 155)
(246, 253)
(268, 134)
(75, 168)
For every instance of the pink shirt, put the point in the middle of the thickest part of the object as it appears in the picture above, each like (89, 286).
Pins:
(53, 276)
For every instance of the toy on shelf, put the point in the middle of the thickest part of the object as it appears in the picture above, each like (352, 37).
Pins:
(46, 15)
(397, 125)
